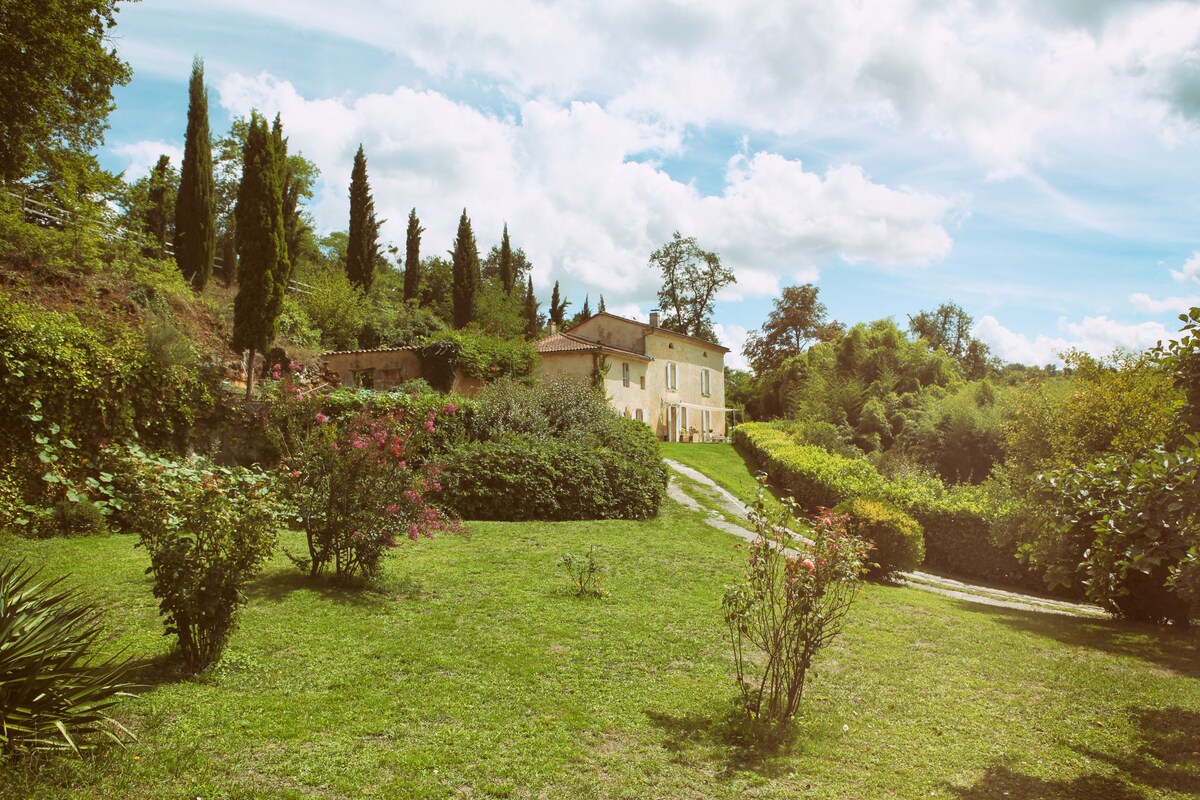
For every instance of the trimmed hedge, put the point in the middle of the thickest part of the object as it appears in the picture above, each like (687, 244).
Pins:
(898, 539)
(956, 524)
(523, 478)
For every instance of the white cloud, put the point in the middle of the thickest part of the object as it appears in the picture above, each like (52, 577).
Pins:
(141, 156)
(1144, 302)
(1190, 271)
(567, 182)
(733, 337)
(1096, 335)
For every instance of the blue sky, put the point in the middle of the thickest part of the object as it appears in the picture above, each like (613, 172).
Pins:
(1035, 161)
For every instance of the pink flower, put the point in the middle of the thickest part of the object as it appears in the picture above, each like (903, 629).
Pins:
(391, 509)
(449, 408)
(414, 532)
(293, 367)
(322, 419)
(808, 564)
(429, 425)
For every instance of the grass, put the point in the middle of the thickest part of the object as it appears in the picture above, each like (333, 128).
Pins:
(472, 671)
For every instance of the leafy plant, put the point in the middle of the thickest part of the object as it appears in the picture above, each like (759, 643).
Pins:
(208, 530)
(353, 486)
(898, 544)
(53, 692)
(586, 573)
(793, 600)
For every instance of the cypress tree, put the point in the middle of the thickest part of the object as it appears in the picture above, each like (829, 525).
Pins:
(158, 210)
(195, 222)
(262, 250)
(558, 307)
(289, 191)
(532, 326)
(586, 311)
(363, 245)
(412, 257)
(465, 272)
(600, 305)
(507, 277)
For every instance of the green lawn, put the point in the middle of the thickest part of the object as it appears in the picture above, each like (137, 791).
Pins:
(721, 462)
(470, 672)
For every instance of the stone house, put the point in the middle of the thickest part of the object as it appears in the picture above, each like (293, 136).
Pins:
(672, 382)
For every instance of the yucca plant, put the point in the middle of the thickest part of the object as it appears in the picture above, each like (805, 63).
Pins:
(52, 691)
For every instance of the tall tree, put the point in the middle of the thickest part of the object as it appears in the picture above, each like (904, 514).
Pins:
(466, 272)
(160, 196)
(507, 277)
(58, 67)
(364, 228)
(195, 215)
(412, 257)
(533, 319)
(797, 321)
(291, 186)
(948, 328)
(262, 249)
(558, 307)
(691, 279)
(600, 306)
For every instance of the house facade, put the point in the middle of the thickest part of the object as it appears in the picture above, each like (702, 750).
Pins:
(672, 382)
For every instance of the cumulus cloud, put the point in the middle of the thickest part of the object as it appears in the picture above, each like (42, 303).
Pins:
(999, 81)
(1190, 271)
(141, 156)
(579, 196)
(1096, 335)
(1144, 302)
(733, 337)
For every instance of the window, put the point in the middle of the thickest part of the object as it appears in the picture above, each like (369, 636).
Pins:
(706, 382)
(640, 416)
(672, 375)
(642, 380)
(624, 374)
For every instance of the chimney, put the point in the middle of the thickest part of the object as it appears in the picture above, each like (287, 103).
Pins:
(654, 318)
(553, 327)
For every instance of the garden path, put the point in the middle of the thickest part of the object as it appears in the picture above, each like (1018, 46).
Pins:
(961, 590)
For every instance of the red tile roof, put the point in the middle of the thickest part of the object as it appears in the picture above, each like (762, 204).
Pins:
(570, 343)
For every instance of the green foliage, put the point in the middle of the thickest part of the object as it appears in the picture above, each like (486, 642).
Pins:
(466, 273)
(480, 356)
(61, 105)
(948, 328)
(195, 208)
(797, 321)
(412, 257)
(437, 280)
(958, 435)
(586, 573)
(1180, 358)
(53, 691)
(335, 308)
(554, 451)
(363, 244)
(691, 278)
(208, 531)
(357, 483)
(263, 266)
(499, 313)
(897, 539)
(793, 600)
(558, 307)
(1125, 526)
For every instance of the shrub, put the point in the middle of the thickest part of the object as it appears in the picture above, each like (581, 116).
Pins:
(208, 530)
(899, 544)
(793, 600)
(553, 451)
(52, 689)
(354, 489)
(586, 573)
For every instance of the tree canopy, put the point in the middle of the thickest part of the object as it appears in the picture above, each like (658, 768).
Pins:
(466, 272)
(691, 278)
(797, 321)
(195, 209)
(363, 247)
(412, 256)
(57, 72)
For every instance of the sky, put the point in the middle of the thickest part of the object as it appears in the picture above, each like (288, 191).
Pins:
(1035, 161)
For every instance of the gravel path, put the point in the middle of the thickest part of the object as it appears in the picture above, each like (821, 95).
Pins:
(948, 587)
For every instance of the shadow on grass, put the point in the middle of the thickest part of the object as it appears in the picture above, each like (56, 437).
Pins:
(276, 586)
(1164, 757)
(737, 744)
(1176, 649)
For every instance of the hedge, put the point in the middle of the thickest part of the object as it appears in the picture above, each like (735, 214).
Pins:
(956, 523)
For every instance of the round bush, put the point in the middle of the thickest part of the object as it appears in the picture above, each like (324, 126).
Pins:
(898, 539)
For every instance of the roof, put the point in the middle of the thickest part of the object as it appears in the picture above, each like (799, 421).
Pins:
(647, 328)
(570, 343)
(368, 350)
